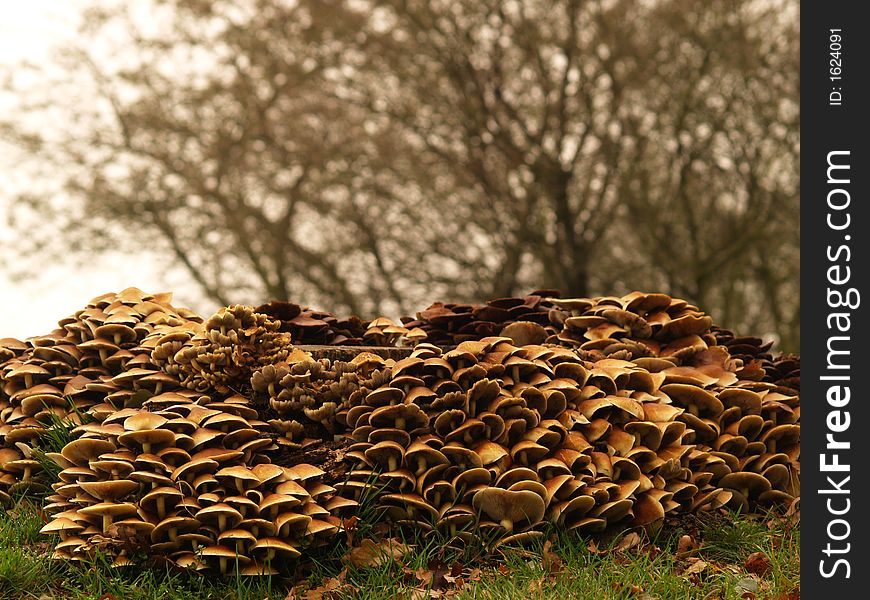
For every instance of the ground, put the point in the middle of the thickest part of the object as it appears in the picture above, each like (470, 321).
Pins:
(719, 555)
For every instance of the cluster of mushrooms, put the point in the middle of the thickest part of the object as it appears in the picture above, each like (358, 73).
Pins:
(224, 444)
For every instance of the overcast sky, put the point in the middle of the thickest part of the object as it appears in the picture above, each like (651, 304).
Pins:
(28, 30)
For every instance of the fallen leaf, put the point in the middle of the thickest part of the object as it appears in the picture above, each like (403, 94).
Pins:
(424, 576)
(593, 548)
(349, 527)
(747, 587)
(629, 541)
(757, 563)
(503, 570)
(685, 546)
(371, 553)
(696, 567)
(636, 589)
(552, 562)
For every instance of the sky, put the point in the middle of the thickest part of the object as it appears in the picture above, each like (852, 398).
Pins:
(33, 305)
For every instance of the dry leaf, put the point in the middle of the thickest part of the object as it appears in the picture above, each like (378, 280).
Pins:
(424, 576)
(371, 553)
(593, 548)
(685, 546)
(629, 541)
(695, 567)
(551, 561)
(757, 563)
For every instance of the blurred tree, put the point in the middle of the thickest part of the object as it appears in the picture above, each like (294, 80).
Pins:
(374, 155)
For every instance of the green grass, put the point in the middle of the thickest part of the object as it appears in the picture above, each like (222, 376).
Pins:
(574, 568)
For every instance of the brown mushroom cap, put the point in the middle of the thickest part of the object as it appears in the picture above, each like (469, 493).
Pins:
(171, 527)
(62, 526)
(82, 450)
(224, 556)
(746, 483)
(509, 507)
(239, 477)
(221, 515)
(112, 489)
(524, 333)
(270, 547)
(147, 439)
(160, 499)
(108, 511)
(695, 400)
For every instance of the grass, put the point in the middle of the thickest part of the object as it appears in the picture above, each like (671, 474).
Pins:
(658, 566)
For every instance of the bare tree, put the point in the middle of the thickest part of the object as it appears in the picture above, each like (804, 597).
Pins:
(372, 155)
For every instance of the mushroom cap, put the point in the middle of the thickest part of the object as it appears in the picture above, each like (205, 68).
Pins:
(236, 535)
(239, 475)
(82, 450)
(211, 514)
(303, 471)
(58, 524)
(177, 522)
(689, 396)
(384, 396)
(747, 401)
(754, 483)
(144, 420)
(138, 438)
(524, 333)
(113, 509)
(219, 551)
(390, 416)
(510, 505)
(149, 500)
(277, 545)
(109, 490)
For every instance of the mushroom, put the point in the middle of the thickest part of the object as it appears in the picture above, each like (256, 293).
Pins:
(510, 507)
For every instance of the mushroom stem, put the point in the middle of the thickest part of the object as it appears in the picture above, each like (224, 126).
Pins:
(161, 507)
(28, 380)
(222, 522)
(771, 445)
(107, 522)
(223, 565)
(103, 355)
(391, 463)
(146, 447)
(400, 423)
(507, 524)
